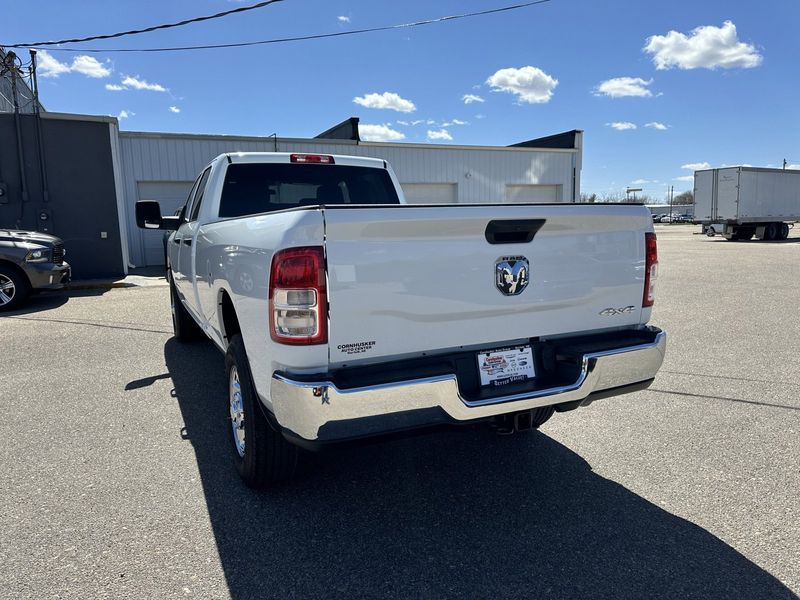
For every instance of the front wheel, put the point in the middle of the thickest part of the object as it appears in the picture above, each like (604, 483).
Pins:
(263, 457)
(14, 289)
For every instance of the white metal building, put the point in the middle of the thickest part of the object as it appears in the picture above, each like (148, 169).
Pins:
(163, 166)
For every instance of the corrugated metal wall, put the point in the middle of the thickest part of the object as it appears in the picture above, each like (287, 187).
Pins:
(480, 174)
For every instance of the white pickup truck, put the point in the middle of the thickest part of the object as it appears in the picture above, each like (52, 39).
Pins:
(346, 314)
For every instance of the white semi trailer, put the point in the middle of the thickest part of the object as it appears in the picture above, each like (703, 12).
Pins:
(742, 202)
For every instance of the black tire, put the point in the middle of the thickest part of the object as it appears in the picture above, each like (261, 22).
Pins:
(783, 231)
(15, 288)
(541, 415)
(771, 232)
(266, 457)
(184, 327)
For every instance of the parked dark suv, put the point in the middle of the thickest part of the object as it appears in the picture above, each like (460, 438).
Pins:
(29, 262)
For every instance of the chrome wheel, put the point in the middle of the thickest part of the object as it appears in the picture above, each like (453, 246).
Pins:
(7, 290)
(237, 410)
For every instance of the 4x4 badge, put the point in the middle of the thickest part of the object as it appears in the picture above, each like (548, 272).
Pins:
(512, 274)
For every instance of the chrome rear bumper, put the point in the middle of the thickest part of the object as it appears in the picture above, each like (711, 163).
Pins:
(311, 410)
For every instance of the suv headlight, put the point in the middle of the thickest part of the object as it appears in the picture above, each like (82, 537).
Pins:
(38, 256)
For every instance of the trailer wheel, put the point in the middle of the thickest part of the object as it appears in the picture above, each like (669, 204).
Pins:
(771, 232)
(783, 231)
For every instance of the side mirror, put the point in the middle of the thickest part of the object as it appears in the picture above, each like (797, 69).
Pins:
(148, 216)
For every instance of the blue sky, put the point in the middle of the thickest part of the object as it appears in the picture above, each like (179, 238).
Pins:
(722, 94)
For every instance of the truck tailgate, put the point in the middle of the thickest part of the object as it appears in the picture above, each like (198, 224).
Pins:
(408, 280)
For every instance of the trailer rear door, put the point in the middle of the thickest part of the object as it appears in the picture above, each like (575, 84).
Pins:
(703, 195)
(727, 193)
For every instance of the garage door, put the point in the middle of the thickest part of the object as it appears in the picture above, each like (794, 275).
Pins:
(533, 193)
(171, 195)
(430, 193)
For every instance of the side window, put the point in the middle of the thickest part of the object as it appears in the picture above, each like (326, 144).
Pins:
(184, 211)
(198, 197)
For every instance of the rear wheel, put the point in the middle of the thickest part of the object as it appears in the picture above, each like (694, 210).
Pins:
(184, 327)
(14, 289)
(771, 232)
(263, 456)
(783, 231)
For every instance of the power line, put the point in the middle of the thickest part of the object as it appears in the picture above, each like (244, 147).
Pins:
(146, 29)
(305, 37)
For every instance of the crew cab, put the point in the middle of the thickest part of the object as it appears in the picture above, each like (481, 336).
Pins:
(346, 314)
(29, 262)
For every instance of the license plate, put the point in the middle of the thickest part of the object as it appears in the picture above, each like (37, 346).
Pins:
(509, 365)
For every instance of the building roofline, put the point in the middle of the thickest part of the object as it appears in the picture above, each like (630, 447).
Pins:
(75, 117)
(251, 138)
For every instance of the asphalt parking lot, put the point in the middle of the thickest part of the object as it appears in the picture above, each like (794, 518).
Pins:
(117, 482)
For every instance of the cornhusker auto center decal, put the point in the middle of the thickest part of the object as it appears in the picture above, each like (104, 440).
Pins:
(356, 347)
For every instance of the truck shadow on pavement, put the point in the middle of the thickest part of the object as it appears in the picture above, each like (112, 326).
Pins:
(456, 514)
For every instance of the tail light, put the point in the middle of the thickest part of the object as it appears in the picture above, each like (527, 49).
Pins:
(651, 269)
(319, 159)
(298, 302)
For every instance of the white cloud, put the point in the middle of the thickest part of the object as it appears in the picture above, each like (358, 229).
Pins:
(379, 133)
(140, 84)
(343, 19)
(685, 178)
(386, 100)
(656, 125)
(698, 166)
(174, 109)
(406, 123)
(441, 134)
(417, 121)
(480, 116)
(430, 122)
(49, 66)
(454, 122)
(113, 87)
(706, 47)
(530, 84)
(125, 114)
(470, 98)
(793, 167)
(622, 125)
(620, 87)
(641, 181)
(90, 66)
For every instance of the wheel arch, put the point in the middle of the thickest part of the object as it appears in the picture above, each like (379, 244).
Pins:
(17, 269)
(227, 317)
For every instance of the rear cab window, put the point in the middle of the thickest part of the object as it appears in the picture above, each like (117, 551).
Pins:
(254, 188)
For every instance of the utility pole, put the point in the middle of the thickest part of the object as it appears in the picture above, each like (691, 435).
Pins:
(13, 69)
(784, 164)
(39, 138)
(671, 194)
